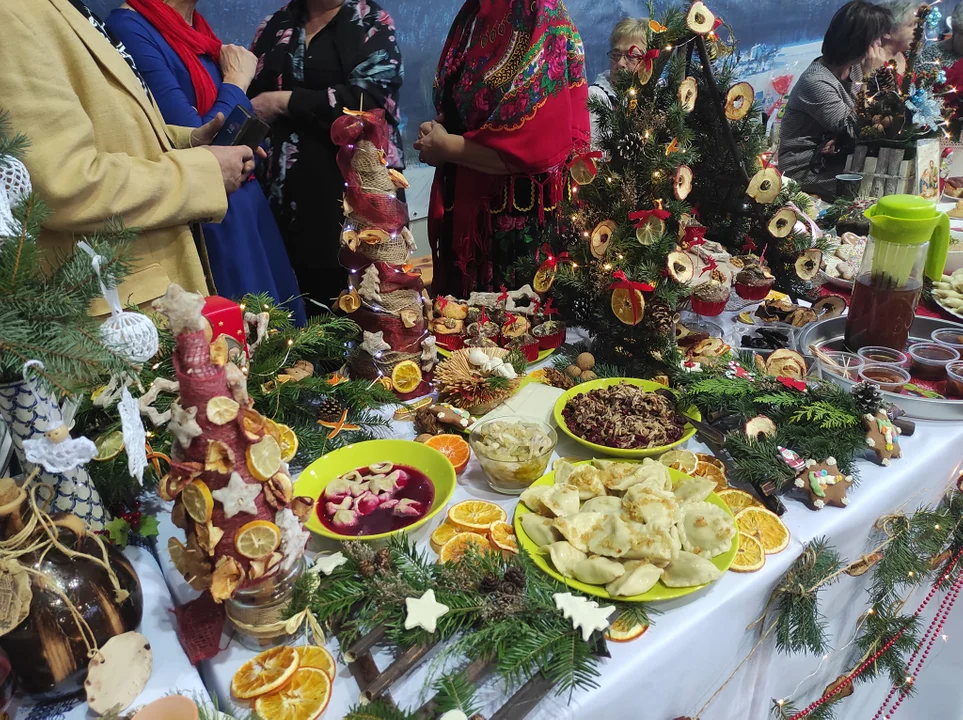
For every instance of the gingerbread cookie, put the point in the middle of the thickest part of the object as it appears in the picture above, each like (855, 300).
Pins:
(882, 436)
(824, 484)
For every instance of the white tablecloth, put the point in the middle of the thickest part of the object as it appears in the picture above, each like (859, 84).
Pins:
(172, 672)
(698, 640)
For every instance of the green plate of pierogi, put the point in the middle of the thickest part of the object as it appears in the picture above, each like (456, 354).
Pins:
(629, 530)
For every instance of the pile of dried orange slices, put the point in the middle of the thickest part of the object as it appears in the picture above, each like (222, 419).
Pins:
(287, 683)
(477, 523)
(697, 465)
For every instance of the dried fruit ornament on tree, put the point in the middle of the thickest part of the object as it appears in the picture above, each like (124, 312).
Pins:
(240, 521)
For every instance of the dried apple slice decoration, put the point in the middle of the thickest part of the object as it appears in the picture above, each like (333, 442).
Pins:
(700, 19)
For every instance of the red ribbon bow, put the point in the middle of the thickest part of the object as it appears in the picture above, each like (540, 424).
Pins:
(640, 216)
(551, 261)
(694, 235)
(748, 245)
(649, 58)
(717, 23)
(504, 296)
(623, 283)
(792, 383)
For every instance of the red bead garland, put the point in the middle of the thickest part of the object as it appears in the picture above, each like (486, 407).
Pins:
(955, 590)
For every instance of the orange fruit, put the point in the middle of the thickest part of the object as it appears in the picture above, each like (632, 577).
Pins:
(750, 556)
(406, 376)
(257, 539)
(476, 515)
(681, 460)
(765, 526)
(265, 672)
(502, 536)
(305, 697)
(317, 657)
(221, 410)
(622, 631)
(289, 443)
(453, 447)
(264, 458)
(706, 470)
(198, 501)
(442, 534)
(738, 499)
(455, 549)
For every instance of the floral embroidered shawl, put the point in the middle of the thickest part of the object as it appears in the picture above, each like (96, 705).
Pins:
(514, 71)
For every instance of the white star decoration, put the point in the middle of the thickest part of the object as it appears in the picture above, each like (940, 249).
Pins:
(374, 343)
(424, 612)
(183, 424)
(454, 715)
(237, 496)
(584, 613)
(327, 564)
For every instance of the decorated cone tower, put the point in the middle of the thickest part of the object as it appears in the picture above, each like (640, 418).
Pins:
(232, 493)
(386, 296)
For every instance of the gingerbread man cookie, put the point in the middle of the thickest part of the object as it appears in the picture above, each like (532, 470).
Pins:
(824, 484)
(882, 436)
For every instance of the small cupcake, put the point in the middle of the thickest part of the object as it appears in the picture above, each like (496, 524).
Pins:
(449, 333)
(710, 299)
(480, 342)
(754, 282)
(486, 329)
(550, 334)
(527, 344)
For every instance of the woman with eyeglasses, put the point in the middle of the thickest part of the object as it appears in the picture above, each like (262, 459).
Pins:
(627, 47)
(502, 139)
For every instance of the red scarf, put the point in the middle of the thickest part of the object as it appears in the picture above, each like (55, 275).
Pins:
(534, 117)
(188, 42)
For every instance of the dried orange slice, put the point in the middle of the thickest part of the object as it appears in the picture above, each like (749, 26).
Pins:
(265, 672)
(264, 458)
(453, 447)
(502, 536)
(198, 501)
(272, 428)
(622, 306)
(220, 351)
(317, 657)
(544, 279)
(750, 557)
(443, 533)
(455, 549)
(109, 445)
(765, 526)
(712, 460)
(681, 460)
(406, 376)
(738, 499)
(257, 539)
(476, 515)
(622, 631)
(305, 697)
(289, 443)
(704, 469)
(221, 410)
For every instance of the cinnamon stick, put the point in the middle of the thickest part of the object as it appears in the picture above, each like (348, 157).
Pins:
(394, 671)
(364, 643)
(472, 673)
(525, 699)
(364, 670)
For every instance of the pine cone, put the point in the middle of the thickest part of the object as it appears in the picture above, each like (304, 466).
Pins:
(867, 397)
(630, 146)
(382, 560)
(330, 409)
(558, 379)
(516, 576)
(488, 585)
(658, 317)
(367, 568)
(507, 588)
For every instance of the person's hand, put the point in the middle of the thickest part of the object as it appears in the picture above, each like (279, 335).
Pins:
(238, 65)
(432, 144)
(829, 148)
(269, 106)
(237, 163)
(875, 58)
(204, 135)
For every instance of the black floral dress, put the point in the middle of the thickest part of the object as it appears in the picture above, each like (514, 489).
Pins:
(354, 59)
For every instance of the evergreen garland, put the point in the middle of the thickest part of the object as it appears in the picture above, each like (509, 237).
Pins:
(517, 628)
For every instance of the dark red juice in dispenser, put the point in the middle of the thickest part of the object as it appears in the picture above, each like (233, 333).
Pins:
(880, 315)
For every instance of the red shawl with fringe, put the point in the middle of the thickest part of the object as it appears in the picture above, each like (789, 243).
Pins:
(514, 72)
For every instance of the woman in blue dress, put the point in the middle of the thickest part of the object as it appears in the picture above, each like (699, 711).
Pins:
(193, 77)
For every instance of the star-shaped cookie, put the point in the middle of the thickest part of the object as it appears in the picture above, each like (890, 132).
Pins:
(824, 484)
(238, 496)
(327, 564)
(882, 437)
(424, 612)
(184, 424)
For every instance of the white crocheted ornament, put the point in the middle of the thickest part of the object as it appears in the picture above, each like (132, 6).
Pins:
(15, 179)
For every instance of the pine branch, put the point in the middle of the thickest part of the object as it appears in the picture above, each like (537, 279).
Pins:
(454, 692)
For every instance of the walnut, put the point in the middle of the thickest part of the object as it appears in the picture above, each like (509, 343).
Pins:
(279, 491)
